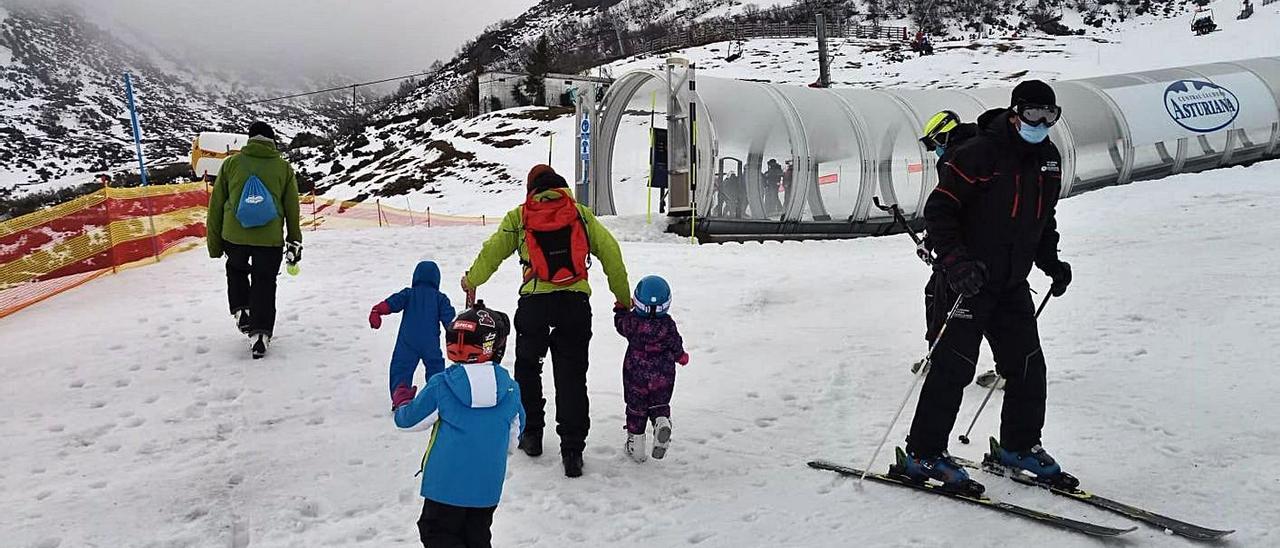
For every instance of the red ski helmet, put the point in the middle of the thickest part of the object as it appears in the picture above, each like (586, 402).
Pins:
(478, 335)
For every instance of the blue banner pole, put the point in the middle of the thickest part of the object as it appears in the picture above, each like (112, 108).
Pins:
(142, 164)
(137, 128)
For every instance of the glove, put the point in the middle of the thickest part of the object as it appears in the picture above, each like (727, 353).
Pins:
(619, 305)
(1061, 274)
(293, 252)
(375, 316)
(965, 276)
(402, 395)
(683, 359)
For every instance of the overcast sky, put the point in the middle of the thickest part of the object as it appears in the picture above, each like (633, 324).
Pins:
(360, 38)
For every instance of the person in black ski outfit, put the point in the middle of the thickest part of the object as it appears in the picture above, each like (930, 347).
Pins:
(990, 219)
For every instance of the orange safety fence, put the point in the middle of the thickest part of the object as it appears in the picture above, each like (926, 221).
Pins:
(61, 247)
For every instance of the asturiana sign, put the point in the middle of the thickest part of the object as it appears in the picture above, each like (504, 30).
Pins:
(1201, 106)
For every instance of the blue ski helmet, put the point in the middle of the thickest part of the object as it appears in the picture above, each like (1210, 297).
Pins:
(652, 298)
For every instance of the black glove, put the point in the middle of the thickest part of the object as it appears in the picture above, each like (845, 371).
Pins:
(1061, 274)
(966, 276)
(293, 252)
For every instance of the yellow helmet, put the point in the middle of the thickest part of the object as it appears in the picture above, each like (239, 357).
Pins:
(937, 126)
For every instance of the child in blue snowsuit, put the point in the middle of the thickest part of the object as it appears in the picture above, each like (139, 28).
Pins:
(426, 310)
(474, 413)
(654, 347)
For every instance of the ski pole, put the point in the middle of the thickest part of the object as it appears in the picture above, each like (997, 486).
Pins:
(964, 438)
(924, 370)
(921, 250)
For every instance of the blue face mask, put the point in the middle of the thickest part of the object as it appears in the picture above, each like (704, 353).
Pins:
(939, 151)
(1033, 133)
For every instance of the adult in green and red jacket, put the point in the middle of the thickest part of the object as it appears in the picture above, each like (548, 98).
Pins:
(253, 254)
(555, 317)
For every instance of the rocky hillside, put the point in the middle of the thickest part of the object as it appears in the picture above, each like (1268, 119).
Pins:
(63, 105)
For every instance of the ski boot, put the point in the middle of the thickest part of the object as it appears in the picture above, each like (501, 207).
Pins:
(260, 343)
(242, 320)
(1035, 464)
(634, 447)
(661, 436)
(953, 477)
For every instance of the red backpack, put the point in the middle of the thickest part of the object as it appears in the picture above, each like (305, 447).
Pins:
(556, 236)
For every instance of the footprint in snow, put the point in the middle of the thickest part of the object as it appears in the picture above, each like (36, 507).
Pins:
(766, 422)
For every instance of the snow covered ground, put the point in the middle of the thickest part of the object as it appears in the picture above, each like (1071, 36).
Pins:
(133, 416)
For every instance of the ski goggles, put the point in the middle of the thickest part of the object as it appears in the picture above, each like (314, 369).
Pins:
(936, 141)
(1039, 114)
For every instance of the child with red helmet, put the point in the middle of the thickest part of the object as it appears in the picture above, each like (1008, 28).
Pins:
(654, 347)
(474, 413)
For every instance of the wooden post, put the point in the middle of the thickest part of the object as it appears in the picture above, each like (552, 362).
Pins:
(428, 216)
(410, 208)
(313, 209)
(483, 222)
(379, 202)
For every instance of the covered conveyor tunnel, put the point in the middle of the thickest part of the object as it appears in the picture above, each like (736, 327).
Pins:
(749, 159)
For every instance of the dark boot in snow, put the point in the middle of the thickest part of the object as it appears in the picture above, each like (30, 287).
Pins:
(260, 344)
(572, 463)
(531, 443)
(242, 320)
(1035, 462)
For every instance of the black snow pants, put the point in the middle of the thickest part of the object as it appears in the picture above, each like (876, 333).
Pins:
(447, 526)
(559, 322)
(251, 283)
(1006, 317)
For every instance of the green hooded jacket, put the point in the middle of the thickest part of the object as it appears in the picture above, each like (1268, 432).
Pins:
(509, 239)
(258, 157)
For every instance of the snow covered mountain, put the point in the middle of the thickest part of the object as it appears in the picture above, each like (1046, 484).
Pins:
(63, 103)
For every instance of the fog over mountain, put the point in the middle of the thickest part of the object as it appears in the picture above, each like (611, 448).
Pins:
(288, 41)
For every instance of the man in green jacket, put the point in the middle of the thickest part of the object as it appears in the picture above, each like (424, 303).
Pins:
(254, 253)
(552, 235)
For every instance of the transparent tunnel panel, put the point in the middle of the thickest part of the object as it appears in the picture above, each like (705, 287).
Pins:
(828, 188)
(893, 153)
(752, 149)
(646, 110)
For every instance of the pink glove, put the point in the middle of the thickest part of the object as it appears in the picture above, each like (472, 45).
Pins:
(683, 359)
(402, 395)
(375, 316)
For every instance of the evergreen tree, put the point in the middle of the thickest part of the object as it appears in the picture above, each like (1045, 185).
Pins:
(533, 89)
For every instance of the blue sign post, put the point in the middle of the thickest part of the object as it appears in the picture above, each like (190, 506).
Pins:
(584, 152)
(137, 128)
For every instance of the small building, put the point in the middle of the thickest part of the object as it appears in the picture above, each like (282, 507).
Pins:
(497, 89)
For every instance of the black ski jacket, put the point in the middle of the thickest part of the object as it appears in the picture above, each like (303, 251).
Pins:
(995, 202)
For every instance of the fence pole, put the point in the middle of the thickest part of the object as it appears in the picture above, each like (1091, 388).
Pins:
(379, 202)
(428, 216)
(313, 208)
(551, 144)
(408, 206)
(483, 222)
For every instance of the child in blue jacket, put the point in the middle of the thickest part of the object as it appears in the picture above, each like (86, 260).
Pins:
(473, 410)
(426, 310)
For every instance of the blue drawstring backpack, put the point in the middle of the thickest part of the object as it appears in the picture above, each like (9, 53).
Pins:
(257, 207)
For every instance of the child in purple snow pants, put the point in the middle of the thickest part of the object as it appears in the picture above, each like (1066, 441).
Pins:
(654, 347)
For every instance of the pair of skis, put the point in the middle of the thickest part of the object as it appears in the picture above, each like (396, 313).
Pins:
(1168, 524)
